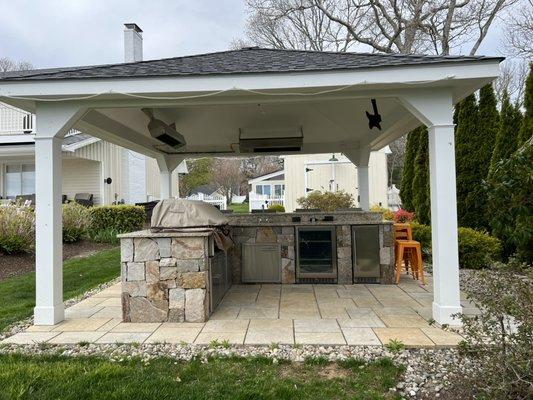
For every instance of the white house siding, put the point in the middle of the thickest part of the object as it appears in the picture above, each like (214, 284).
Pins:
(345, 177)
(109, 156)
(81, 176)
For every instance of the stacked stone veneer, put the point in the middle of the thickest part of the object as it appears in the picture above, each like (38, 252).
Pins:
(165, 278)
(285, 236)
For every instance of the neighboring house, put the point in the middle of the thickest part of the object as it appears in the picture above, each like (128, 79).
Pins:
(302, 174)
(88, 162)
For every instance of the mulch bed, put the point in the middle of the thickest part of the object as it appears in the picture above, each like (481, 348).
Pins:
(18, 264)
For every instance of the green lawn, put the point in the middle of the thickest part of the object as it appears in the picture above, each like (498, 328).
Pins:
(239, 208)
(17, 294)
(56, 377)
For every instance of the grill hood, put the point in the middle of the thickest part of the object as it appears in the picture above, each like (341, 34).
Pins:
(172, 214)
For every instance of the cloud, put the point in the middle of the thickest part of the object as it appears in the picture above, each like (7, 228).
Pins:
(82, 32)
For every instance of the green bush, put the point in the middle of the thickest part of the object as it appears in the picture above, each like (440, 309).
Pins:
(388, 214)
(17, 229)
(76, 220)
(121, 218)
(326, 201)
(477, 249)
(276, 208)
(108, 235)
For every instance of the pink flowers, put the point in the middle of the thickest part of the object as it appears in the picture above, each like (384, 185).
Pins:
(403, 216)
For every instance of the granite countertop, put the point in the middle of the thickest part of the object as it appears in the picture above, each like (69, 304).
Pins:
(147, 233)
(307, 218)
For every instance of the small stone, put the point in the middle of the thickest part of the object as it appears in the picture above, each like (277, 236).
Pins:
(265, 235)
(144, 310)
(176, 315)
(135, 289)
(190, 265)
(126, 250)
(344, 252)
(188, 247)
(195, 305)
(135, 271)
(145, 249)
(152, 271)
(176, 298)
(192, 280)
(156, 291)
(166, 273)
(167, 262)
(164, 247)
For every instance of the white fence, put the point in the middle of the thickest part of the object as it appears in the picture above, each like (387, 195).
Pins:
(263, 201)
(217, 200)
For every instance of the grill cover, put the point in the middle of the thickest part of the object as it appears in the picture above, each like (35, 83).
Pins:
(179, 215)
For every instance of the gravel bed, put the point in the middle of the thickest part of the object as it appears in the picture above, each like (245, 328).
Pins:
(427, 371)
(22, 325)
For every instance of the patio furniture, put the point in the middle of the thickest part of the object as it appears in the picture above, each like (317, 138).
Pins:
(85, 199)
(408, 252)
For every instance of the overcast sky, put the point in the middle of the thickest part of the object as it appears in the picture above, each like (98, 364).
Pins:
(53, 33)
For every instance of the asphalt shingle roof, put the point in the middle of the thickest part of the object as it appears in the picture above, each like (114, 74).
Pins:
(243, 61)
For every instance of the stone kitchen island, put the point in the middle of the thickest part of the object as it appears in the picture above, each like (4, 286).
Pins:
(165, 276)
(177, 276)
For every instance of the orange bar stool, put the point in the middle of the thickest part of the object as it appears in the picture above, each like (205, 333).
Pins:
(408, 251)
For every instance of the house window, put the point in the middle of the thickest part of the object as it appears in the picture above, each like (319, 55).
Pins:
(263, 189)
(19, 180)
(279, 190)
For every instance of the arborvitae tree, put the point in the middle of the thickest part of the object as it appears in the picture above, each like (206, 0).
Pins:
(526, 131)
(420, 190)
(411, 149)
(466, 143)
(507, 137)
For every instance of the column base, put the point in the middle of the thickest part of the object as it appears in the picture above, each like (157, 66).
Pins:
(443, 314)
(49, 315)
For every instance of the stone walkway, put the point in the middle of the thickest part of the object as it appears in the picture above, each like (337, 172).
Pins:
(267, 314)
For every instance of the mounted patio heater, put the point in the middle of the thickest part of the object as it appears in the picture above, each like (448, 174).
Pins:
(271, 140)
(165, 133)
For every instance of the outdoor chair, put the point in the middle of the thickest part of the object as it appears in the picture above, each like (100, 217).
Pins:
(408, 252)
(85, 199)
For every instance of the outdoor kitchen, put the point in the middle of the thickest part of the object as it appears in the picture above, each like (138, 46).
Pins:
(180, 268)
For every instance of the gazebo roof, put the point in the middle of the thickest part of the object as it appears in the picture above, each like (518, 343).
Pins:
(250, 60)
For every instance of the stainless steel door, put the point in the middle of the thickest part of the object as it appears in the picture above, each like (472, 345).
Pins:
(365, 243)
(261, 263)
(316, 253)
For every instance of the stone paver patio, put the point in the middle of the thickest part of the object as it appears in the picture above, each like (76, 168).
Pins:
(267, 314)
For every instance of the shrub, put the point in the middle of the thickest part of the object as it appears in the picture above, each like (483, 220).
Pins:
(121, 218)
(17, 229)
(276, 208)
(498, 340)
(108, 235)
(326, 201)
(402, 216)
(476, 249)
(510, 202)
(388, 214)
(76, 220)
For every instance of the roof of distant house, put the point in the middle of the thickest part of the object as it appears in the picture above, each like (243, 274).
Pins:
(243, 61)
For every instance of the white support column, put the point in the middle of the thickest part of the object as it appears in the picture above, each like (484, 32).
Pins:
(444, 224)
(53, 122)
(435, 109)
(364, 187)
(48, 235)
(361, 157)
(167, 164)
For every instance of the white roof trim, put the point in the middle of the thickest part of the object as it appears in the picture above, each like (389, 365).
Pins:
(267, 176)
(75, 146)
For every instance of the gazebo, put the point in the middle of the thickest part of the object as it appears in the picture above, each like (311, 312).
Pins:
(250, 101)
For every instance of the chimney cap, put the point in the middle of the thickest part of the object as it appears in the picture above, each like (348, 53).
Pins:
(133, 26)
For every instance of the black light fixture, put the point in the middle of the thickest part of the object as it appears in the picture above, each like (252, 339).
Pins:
(108, 181)
(374, 120)
(333, 158)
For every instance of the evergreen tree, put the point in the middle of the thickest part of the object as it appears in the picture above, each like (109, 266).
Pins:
(526, 131)
(466, 143)
(507, 137)
(420, 189)
(411, 149)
